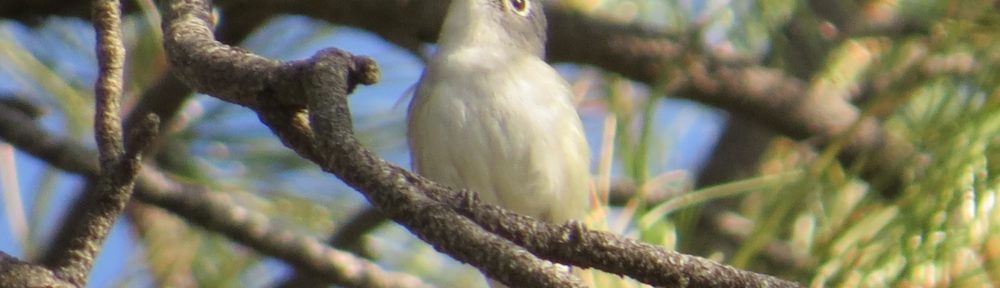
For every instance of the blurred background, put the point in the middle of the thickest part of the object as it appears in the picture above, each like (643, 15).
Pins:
(785, 208)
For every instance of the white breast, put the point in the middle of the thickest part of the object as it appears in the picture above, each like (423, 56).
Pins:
(507, 130)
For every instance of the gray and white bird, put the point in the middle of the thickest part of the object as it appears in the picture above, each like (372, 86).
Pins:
(492, 116)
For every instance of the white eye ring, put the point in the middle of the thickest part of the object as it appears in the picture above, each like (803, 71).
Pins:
(521, 7)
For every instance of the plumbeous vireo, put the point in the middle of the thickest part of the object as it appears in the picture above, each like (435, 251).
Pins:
(492, 116)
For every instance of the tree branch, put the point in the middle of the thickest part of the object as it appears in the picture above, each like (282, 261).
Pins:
(781, 102)
(425, 208)
(165, 97)
(640, 53)
(17, 273)
(348, 237)
(205, 208)
(387, 186)
(72, 258)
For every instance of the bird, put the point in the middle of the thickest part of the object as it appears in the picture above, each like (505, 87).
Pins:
(490, 115)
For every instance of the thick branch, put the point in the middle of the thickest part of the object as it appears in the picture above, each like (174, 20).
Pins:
(165, 97)
(417, 203)
(392, 191)
(16, 273)
(649, 56)
(642, 54)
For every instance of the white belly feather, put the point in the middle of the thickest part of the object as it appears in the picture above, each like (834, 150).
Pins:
(518, 141)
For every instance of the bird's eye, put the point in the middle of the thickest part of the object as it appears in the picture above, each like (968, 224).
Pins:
(521, 7)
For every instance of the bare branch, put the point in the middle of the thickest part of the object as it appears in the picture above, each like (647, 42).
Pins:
(110, 61)
(387, 188)
(16, 273)
(72, 258)
(407, 198)
(348, 237)
(655, 58)
(165, 97)
(215, 211)
(643, 54)
(207, 209)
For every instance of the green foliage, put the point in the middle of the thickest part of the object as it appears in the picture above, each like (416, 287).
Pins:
(809, 218)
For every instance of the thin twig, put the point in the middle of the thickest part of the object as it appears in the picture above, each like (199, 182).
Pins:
(72, 257)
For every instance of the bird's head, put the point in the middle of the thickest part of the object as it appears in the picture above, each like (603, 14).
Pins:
(516, 25)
